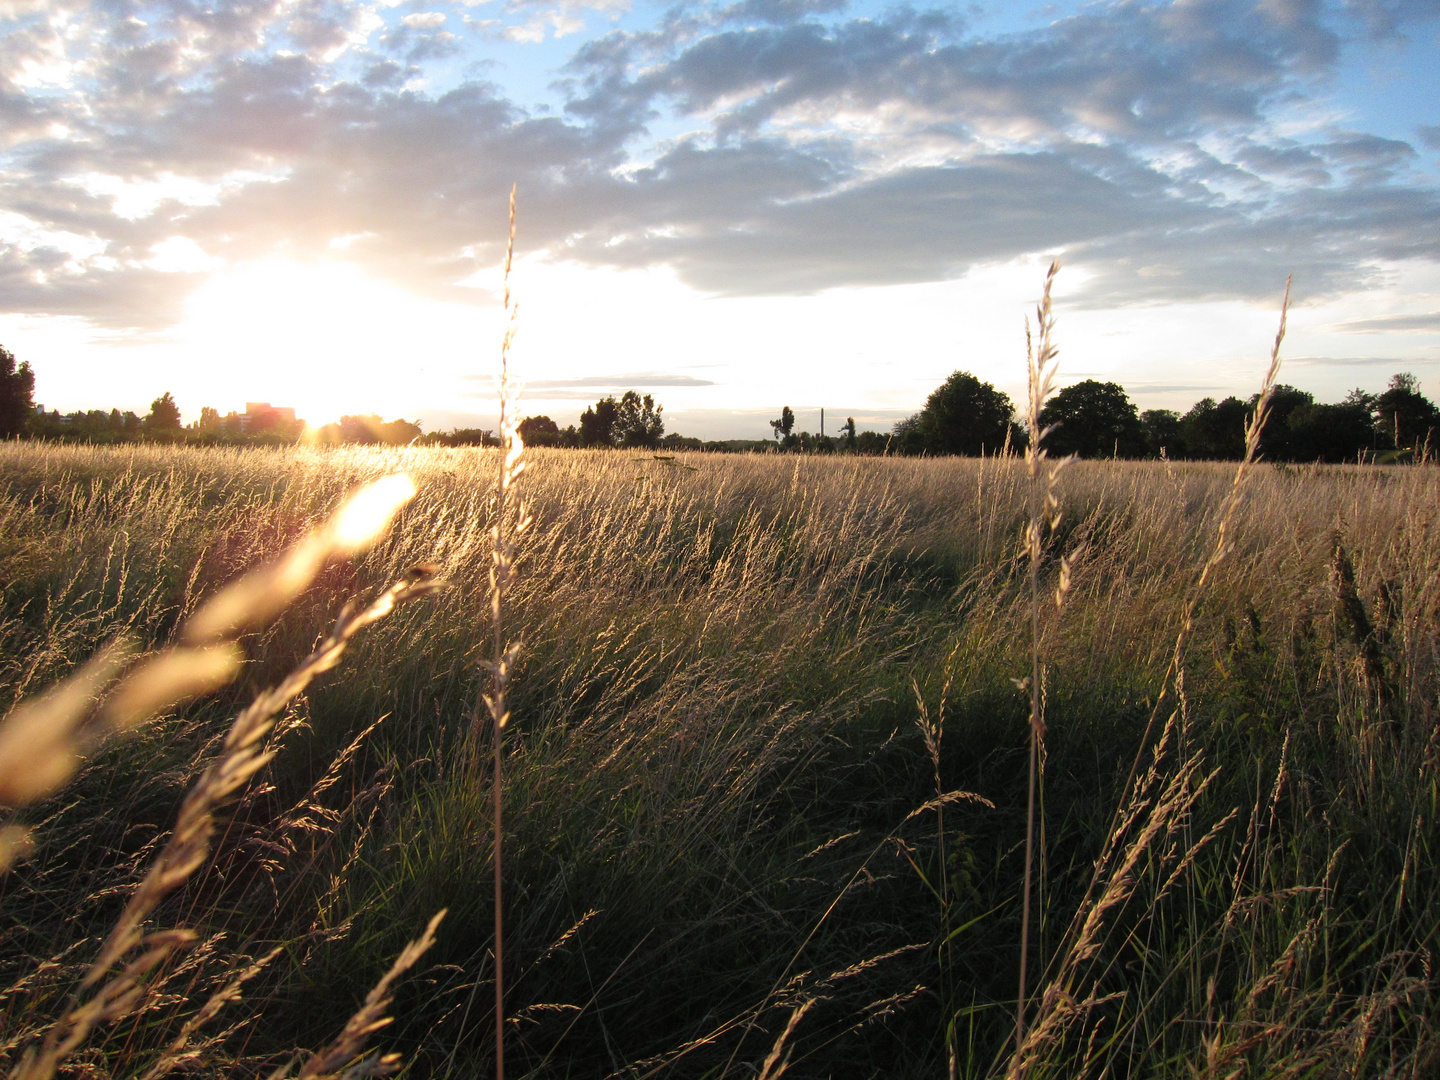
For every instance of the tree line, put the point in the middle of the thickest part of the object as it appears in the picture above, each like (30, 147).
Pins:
(631, 420)
(19, 416)
(1097, 419)
(962, 416)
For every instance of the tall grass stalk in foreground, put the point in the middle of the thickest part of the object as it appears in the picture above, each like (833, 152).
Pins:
(502, 567)
(1044, 516)
(1152, 820)
(42, 740)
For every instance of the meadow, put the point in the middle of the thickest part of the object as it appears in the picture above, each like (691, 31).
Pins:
(765, 793)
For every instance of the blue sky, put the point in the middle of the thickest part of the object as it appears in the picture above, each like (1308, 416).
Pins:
(734, 206)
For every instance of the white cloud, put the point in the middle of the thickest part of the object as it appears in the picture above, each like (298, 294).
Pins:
(181, 255)
(28, 235)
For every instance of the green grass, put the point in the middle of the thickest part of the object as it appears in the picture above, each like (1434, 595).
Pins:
(715, 737)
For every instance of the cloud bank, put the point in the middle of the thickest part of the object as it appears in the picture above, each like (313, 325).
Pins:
(1169, 151)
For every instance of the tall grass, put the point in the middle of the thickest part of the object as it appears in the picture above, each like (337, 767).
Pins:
(711, 782)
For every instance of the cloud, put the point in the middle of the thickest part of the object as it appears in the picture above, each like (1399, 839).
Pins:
(1389, 18)
(1423, 324)
(1123, 69)
(808, 150)
(913, 225)
(778, 12)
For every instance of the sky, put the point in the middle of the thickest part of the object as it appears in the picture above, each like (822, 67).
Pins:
(732, 206)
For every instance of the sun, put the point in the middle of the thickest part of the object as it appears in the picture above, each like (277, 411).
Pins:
(325, 339)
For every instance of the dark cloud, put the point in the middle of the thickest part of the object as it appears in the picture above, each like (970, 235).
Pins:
(1330, 239)
(914, 225)
(1130, 70)
(417, 44)
(1368, 158)
(1390, 18)
(779, 11)
(1295, 162)
(37, 281)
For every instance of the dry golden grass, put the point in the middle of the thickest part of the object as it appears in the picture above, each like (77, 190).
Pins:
(727, 715)
(43, 740)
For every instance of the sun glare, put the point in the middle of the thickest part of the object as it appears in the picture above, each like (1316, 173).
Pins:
(326, 340)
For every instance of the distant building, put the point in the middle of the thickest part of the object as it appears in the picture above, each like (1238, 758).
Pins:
(54, 417)
(262, 416)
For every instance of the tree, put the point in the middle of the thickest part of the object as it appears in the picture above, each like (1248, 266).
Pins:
(17, 394)
(539, 431)
(847, 432)
(1162, 431)
(1214, 432)
(965, 416)
(1342, 432)
(1407, 416)
(400, 432)
(638, 421)
(369, 429)
(906, 436)
(164, 416)
(363, 429)
(1277, 442)
(1096, 419)
(597, 424)
(785, 425)
(872, 443)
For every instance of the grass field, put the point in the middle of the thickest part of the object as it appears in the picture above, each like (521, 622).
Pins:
(745, 682)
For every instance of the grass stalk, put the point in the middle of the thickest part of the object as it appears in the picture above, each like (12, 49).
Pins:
(504, 535)
(1044, 515)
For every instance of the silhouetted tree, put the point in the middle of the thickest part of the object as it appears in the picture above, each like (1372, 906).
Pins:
(17, 394)
(1343, 432)
(638, 422)
(368, 429)
(1407, 416)
(1277, 442)
(597, 424)
(847, 433)
(907, 437)
(1214, 432)
(1097, 419)
(461, 437)
(363, 429)
(872, 442)
(539, 431)
(209, 422)
(164, 416)
(1162, 432)
(785, 425)
(965, 416)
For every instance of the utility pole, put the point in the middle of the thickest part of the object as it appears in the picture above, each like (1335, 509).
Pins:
(822, 423)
